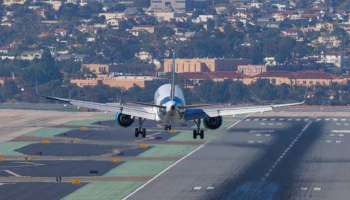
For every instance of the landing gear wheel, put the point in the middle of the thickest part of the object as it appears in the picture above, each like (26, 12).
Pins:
(140, 130)
(143, 132)
(167, 127)
(137, 132)
(194, 134)
(201, 134)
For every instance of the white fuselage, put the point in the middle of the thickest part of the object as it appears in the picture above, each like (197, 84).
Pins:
(162, 97)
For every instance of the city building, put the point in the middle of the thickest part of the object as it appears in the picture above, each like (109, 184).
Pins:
(30, 55)
(13, 2)
(163, 16)
(125, 82)
(194, 79)
(251, 70)
(335, 59)
(302, 78)
(204, 64)
(97, 69)
(178, 6)
(136, 30)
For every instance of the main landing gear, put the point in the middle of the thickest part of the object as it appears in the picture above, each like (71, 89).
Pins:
(167, 127)
(198, 132)
(140, 130)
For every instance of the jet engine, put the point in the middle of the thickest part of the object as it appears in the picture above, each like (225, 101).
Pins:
(212, 122)
(124, 120)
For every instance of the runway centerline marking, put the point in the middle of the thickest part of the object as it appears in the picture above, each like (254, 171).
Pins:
(304, 188)
(197, 188)
(172, 165)
(290, 146)
(261, 131)
(210, 188)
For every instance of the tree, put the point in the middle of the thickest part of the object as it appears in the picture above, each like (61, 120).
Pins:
(68, 11)
(42, 70)
(9, 90)
(165, 31)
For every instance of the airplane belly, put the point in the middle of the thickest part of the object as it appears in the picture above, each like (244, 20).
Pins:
(170, 118)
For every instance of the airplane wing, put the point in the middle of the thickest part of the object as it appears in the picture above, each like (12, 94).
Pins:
(231, 110)
(147, 112)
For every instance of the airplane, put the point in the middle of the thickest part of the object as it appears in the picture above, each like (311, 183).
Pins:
(169, 107)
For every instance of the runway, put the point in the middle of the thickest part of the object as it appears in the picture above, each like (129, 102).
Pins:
(263, 158)
(278, 155)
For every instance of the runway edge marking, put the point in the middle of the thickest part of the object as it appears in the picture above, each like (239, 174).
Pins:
(234, 124)
(163, 171)
(170, 166)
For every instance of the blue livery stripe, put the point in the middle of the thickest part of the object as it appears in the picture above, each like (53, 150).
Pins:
(178, 101)
(195, 113)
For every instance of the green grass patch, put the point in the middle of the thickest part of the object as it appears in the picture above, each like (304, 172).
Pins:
(103, 190)
(8, 148)
(48, 132)
(168, 150)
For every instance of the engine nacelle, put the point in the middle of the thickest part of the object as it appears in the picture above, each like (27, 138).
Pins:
(124, 120)
(212, 122)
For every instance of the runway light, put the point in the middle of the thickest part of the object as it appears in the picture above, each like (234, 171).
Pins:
(28, 158)
(115, 159)
(143, 146)
(45, 141)
(75, 181)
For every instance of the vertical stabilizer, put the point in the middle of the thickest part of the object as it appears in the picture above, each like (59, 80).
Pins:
(173, 71)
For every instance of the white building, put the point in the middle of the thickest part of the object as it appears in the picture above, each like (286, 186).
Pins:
(13, 2)
(178, 6)
(143, 55)
(335, 59)
(30, 55)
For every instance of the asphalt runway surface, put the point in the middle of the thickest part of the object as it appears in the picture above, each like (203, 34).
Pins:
(263, 158)
(57, 168)
(37, 190)
(274, 157)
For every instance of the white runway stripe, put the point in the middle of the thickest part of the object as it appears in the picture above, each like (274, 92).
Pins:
(261, 131)
(341, 131)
